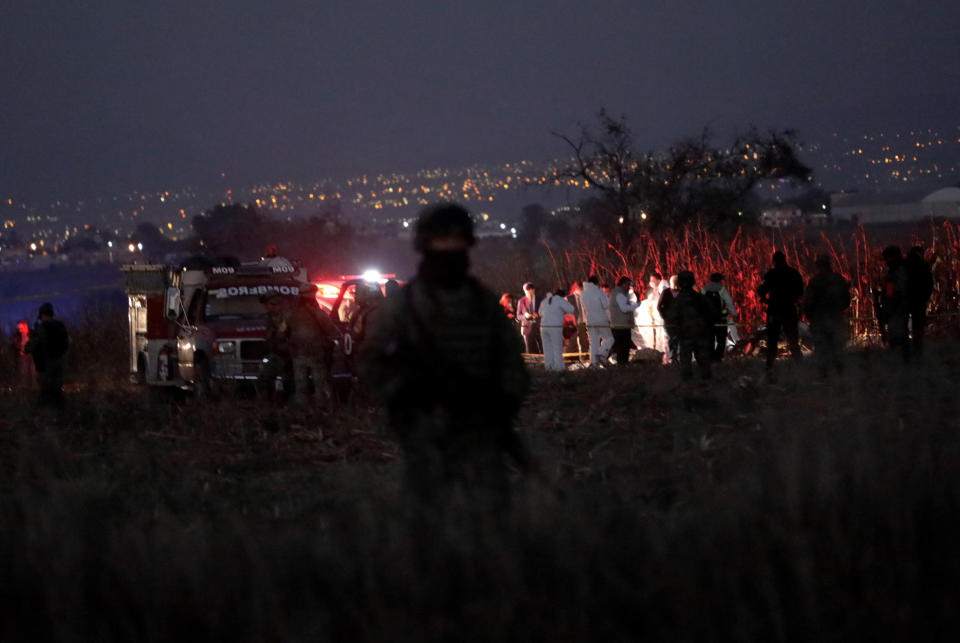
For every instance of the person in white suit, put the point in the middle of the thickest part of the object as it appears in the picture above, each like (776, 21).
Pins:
(596, 307)
(552, 310)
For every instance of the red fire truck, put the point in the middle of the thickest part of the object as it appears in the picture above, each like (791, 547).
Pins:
(193, 327)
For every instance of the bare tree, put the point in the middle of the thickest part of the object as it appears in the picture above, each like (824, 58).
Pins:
(693, 179)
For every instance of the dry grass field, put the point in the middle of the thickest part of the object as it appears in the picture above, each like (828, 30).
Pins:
(739, 510)
(736, 511)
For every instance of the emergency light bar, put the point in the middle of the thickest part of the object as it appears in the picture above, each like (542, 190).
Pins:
(371, 275)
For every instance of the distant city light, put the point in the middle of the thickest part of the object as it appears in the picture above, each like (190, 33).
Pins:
(131, 247)
(33, 246)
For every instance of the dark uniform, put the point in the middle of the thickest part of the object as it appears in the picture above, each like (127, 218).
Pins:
(311, 337)
(279, 360)
(828, 296)
(894, 308)
(690, 319)
(446, 363)
(48, 345)
(919, 290)
(781, 289)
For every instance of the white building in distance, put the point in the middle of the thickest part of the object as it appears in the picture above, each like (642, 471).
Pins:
(892, 208)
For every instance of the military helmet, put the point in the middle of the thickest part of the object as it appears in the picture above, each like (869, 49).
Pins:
(441, 220)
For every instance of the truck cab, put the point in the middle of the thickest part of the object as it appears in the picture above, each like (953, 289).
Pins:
(192, 327)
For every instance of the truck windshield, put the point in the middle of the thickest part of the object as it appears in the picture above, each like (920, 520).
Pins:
(241, 307)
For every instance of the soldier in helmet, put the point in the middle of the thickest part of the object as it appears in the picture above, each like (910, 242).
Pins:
(311, 339)
(828, 296)
(691, 321)
(48, 345)
(446, 362)
(894, 305)
(278, 363)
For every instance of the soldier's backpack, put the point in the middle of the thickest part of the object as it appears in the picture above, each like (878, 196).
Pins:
(715, 305)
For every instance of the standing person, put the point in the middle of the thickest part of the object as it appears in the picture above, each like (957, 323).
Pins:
(658, 283)
(596, 307)
(506, 302)
(663, 307)
(528, 312)
(391, 288)
(648, 323)
(577, 343)
(919, 290)
(828, 296)
(453, 413)
(23, 365)
(278, 363)
(781, 290)
(894, 314)
(721, 303)
(48, 344)
(312, 335)
(690, 317)
(552, 310)
(621, 319)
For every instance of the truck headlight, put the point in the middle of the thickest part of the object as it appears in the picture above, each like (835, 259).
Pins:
(226, 347)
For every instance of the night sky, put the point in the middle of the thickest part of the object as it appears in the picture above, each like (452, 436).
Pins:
(101, 96)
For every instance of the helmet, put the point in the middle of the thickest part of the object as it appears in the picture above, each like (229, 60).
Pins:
(441, 220)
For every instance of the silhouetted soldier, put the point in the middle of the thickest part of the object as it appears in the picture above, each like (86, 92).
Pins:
(663, 307)
(894, 312)
(721, 303)
(690, 318)
(828, 296)
(48, 345)
(919, 290)
(312, 336)
(781, 290)
(446, 363)
(278, 363)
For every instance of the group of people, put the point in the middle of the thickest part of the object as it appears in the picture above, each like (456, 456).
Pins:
(682, 322)
(605, 320)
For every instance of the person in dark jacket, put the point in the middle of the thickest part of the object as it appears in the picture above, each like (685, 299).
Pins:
(894, 310)
(528, 312)
(919, 290)
(781, 290)
(690, 318)
(828, 296)
(48, 344)
(446, 363)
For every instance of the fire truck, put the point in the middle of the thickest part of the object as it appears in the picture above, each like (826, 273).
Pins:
(192, 328)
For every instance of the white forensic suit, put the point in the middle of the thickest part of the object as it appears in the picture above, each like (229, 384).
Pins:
(596, 307)
(551, 312)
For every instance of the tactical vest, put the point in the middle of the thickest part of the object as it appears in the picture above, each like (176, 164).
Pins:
(618, 318)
